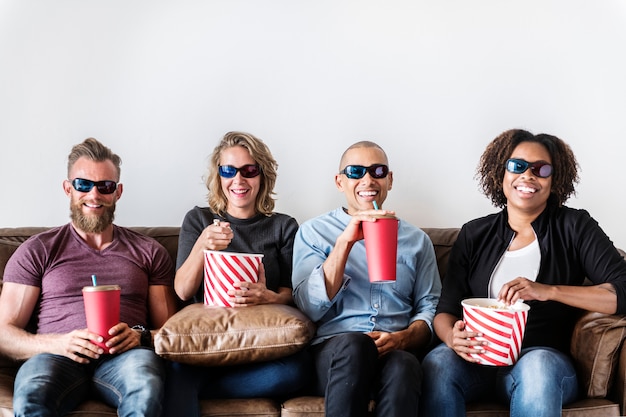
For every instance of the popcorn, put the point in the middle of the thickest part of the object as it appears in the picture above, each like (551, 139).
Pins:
(502, 327)
(222, 270)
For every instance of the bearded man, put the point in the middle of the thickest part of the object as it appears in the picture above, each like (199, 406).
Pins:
(64, 364)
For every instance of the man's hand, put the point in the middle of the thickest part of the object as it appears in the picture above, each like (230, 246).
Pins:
(123, 338)
(354, 232)
(76, 345)
(416, 336)
(385, 342)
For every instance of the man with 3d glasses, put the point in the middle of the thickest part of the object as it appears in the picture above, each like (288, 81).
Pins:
(367, 333)
(63, 364)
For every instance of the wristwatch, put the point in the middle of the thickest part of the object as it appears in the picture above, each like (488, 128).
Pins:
(146, 336)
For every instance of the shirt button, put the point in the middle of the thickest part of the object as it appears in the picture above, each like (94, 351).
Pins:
(373, 318)
(376, 305)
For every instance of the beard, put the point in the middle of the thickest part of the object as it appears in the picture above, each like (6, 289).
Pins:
(95, 223)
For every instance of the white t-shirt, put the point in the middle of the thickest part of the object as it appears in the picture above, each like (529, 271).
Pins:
(522, 262)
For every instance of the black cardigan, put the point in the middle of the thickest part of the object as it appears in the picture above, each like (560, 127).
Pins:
(573, 247)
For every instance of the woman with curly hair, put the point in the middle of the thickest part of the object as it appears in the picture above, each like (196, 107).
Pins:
(536, 250)
(240, 217)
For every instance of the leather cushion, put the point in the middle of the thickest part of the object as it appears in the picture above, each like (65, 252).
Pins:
(218, 336)
(596, 342)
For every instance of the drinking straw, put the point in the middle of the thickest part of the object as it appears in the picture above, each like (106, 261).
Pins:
(93, 280)
(375, 205)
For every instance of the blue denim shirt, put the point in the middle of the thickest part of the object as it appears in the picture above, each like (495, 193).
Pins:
(361, 306)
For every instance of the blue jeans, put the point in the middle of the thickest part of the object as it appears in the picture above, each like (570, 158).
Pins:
(186, 384)
(53, 385)
(542, 380)
(350, 373)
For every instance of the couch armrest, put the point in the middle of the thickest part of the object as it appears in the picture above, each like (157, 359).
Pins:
(596, 348)
(618, 391)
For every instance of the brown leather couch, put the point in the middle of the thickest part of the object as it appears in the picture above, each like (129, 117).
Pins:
(596, 345)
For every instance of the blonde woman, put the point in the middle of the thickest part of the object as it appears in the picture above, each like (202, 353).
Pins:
(239, 218)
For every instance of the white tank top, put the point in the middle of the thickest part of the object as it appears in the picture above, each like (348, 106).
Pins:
(523, 263)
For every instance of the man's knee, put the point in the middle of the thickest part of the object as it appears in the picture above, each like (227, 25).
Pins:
(144, 365)
(346, 357)
(402, 367)
(355, 345)
(50, 382)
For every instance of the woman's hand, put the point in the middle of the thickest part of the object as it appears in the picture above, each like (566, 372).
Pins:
(216, 236)
(523, 289)
(252, 293)
(462, 344)
(190, 274)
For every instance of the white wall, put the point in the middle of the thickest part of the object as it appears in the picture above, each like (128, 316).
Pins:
(431, 81)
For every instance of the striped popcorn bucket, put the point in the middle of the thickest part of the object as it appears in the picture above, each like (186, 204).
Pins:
(502, 327)
(222, 270)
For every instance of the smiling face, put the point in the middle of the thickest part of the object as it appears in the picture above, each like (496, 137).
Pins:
(240, 192)
(361, 193)
(525, 191)
(92, 212)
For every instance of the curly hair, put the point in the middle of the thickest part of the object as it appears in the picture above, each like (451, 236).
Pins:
(490, 171)
(262, 156)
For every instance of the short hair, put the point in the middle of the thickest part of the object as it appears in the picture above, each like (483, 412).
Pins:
(490, 171)
(261, 155)
(92, 149)
(362, 144)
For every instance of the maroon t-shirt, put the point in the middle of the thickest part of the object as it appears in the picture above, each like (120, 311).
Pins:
(60, 263)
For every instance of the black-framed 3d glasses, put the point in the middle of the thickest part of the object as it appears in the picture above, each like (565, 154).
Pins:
(355, 172)
(246, 171)
(541, 169)
(84, 186)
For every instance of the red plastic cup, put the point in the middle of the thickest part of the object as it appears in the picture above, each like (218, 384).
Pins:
(102, 310)
(381, 248)
(223, 269)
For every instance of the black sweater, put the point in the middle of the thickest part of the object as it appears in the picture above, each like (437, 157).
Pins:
(572, 245)
(270, 235)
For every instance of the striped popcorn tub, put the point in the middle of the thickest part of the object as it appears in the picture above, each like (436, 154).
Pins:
(223, 269)
(502, 327)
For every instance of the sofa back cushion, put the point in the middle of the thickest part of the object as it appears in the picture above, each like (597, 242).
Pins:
(12, 237)
(7, 248)
(443, 239)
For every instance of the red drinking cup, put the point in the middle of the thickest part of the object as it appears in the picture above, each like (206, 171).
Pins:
(102, 310)
(381, 248)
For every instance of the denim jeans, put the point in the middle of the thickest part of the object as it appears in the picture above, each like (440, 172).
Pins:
(350, 373)
(542, 380)
(53, 385)
(186, 384)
